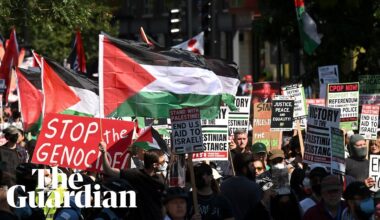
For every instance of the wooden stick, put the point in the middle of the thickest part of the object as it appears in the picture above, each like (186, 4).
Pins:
(192, 177)
(300, 138)
(231, 162)
(367, 143)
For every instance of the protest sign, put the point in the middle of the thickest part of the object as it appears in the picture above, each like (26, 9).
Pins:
(338, 161)
(297, 92)
(345, 96)
(374, 171)
(215, 138)
(72, 141)
(265, 91)
(319, 102)
(186, 130)
(9, 160)
(327, 74)
(261, 126)
(317, 138)
(239, 119)
(369, 120)
(282, 115)
(369, 89)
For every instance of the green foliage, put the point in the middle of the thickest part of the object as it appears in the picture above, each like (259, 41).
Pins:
(48, 26)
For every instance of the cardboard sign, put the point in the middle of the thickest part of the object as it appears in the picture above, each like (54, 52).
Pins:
(265, 91)
(215, 138)
(282, 115)
(239, 119)
(317, 138)
(9, 159)
(186, 130)
(369, 89)
(374, 171)
(319, 102)
(369, 120)
(72, 141)
(345, 96)
(297, 92)
(261, 126)
(338, 161)
(327, 74)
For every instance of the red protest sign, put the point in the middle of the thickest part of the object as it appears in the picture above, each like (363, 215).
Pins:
(72, 141)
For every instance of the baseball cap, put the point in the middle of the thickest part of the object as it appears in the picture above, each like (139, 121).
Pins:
(276, 153)
(331, 182)
(356, 189)
(259, 147)
(175, 192)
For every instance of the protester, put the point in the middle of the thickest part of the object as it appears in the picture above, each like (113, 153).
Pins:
(285, 206)
(241, 141)
(149, 187)
(315, 176)
(374, 148)
(211, 204)
(331, 206)
(376, 198)
(259, 150)
(13, 137)
(347, 136)
(241, 190)
(357, 165)
(175, 202)
(276, 159)
(6, 212)
(259, 166)
(360, 204)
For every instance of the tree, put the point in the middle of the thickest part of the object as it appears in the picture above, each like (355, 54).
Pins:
(49, 26)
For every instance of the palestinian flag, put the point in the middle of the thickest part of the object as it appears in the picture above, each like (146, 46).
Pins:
(33, 75)
(195, 44)
(77, 57)
(135, 80)
(9, 60)
(307, 27)
(68, 92)
(150, 139)
(30, 103)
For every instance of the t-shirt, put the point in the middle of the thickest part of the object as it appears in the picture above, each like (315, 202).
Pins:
(212, 207)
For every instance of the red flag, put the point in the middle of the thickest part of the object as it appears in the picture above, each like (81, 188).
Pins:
(10, 60)
(30, 102)
(58, 95)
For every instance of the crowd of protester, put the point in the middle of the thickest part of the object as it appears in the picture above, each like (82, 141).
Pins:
(252, 186)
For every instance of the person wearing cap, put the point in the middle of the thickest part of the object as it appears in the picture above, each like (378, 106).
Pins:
(357, 165)
(331, 206)
(276, 159)
(13, 136)
(317, 173)
(360, 204)
(175, 203)
(259, 150)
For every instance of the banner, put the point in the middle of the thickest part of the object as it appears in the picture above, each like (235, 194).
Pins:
(215, 138)
(265, 91)
(239, 119)
(369, 120)
(317, 138)
(261, 126)
(327, 74)
(374, 171)
(338, 161)
(282, 115)
(369, 89)
(298, 93)
(186, 130)
(72, 142)
(345, 96)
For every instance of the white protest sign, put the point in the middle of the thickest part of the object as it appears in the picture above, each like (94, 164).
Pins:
(186, 130)
(239, 119)
(297, 92)
(215, 138)
(374, 171)
(369, 120)
(327, 74)
(317, 138)
(345, 96)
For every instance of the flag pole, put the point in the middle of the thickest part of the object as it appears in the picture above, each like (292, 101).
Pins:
(300, 138)
(193, 187)
(101, 91)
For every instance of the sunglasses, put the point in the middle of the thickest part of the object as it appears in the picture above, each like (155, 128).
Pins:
(259, 168)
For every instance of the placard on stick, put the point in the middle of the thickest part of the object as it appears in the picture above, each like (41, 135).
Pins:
(72, 141)
(186, 130)
(369, 120)
(282, 115)
(374, 171)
